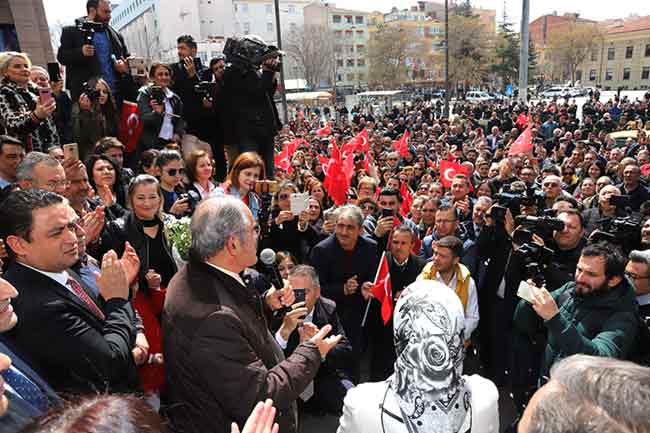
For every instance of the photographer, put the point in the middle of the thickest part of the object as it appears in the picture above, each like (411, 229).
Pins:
(595, 314)
(596, 217)
(248, 111)
(187, 73)
(92, 48)
(97, 118)
(380, 227)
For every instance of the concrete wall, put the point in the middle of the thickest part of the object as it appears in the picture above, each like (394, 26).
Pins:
(31, 26)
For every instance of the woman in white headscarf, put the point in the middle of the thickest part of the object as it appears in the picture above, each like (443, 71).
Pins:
(428, 392)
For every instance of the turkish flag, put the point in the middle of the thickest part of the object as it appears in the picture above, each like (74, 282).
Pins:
(523, 144)
(325, 130)
(522, 121)
(407, 199)
(130, 126)
(382, 289)
(283, 160)
(449, 169)
(402, 145)
(337, 177)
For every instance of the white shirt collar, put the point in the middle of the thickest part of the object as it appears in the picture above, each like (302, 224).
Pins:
(229, 273)
(59, 277)
(452, 283)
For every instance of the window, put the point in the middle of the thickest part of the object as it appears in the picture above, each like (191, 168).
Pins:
(645, 73)
(348, 19)
(349, 77)
(361, 63)
(338, 34)
(592, 75)
(349, 63)
(244, 8)
(350, 48)
(594, 55)
(578, 75)
(336, 19)
(358, 19)
(339, 63)
(348, 34)
(291, 9)
(359, 33)
(361, 48)
(608, 75)
(611, 52)
(339, 77)
(293, 27)
(362, 77)
(628, 52)
(269, 27)
(647, 50)
(269, 9)
(247, 28)
(338, 48)
(626, 73)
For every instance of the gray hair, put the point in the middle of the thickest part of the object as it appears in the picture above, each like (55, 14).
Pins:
(215, 221)
(484, 200)
(25, 170)
(350, 211)
(638, 256)
(40, 70)
(306, 271)
(594, 394)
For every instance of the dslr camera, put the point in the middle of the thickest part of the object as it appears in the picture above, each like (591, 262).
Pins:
(205, 89)
(514, 200)
(157, 94)
(193, 198)
(91, 92)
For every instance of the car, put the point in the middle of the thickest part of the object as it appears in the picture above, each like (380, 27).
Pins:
(476, 96)
(620, 137)
(556, 92)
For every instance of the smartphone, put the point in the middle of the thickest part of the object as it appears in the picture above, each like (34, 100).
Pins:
(299, 294)
(71, 151)
(45, 95)
(54, 72)
(387, 213)
(198, 65)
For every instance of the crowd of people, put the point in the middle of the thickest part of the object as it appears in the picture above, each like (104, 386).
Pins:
(413, 267)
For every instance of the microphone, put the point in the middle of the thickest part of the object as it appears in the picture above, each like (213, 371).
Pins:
(267, 257)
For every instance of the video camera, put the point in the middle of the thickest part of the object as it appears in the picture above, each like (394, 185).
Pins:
(514, 201)
(535, 261)
(250, 52)
(205, 89)
(88, 29)
(543, 226)
(622, 231)
(620, 201)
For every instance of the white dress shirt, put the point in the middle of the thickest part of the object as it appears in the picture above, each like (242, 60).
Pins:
(471, 311)
(167, 128)
(59, 277)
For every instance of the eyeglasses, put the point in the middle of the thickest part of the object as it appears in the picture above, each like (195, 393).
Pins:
(175, 171)
(283, 196)
(636, 277)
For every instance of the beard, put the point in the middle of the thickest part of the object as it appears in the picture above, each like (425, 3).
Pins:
(588, 290)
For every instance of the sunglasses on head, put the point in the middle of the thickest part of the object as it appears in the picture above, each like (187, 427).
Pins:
(174, 171)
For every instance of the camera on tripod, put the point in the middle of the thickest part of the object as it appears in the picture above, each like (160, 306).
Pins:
(535, 261)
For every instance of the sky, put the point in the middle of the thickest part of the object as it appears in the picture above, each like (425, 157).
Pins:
(67, 10)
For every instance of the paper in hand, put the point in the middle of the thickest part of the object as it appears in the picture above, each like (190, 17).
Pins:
(299, 203)
(525, 291)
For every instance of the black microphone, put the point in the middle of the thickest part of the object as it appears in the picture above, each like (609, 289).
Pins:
(267, 257)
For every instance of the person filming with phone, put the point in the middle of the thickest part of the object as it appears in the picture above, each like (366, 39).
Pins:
(379, 227)
(307, 316)
(26, 110)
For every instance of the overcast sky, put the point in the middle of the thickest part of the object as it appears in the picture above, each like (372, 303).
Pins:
(67, 10)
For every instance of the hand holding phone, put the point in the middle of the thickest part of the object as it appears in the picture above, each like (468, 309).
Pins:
(45, 95)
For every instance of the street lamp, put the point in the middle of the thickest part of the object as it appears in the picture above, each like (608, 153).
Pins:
(446, 109)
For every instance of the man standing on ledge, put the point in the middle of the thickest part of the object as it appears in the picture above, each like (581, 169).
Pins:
(220, 357)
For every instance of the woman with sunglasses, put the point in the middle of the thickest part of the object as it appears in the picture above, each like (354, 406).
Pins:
(172, 172)
(97, 118)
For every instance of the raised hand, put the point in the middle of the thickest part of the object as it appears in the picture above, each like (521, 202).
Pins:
(112, 281)
(260, 420)
(324, 343)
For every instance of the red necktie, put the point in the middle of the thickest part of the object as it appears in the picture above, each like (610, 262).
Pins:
(76, 287)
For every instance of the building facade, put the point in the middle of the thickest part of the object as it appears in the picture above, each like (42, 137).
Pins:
(350, 30)
(23, 27)
(622, 59)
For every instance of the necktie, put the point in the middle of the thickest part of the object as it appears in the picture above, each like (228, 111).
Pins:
(76, 287)
(27, 389)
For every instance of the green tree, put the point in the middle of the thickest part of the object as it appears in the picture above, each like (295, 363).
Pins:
(533, 63)
(506, 53)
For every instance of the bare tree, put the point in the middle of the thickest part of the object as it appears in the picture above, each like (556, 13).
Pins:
(312, 49)
(570, 47)
(470, 47)
(392, 53)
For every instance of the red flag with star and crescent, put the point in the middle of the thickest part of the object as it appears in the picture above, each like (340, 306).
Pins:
(382, 289)
(325, 130)
(523, 144)
(131, 126)
(402, 145)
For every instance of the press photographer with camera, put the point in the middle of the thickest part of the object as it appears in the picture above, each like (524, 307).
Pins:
(92, 48)
(97, 118)
(596, 314)
(161, 110)
(248, 111)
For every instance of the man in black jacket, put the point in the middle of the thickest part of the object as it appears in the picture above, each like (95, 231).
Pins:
(332, 381)
(187, 73)
(92, 48)
(79, 342)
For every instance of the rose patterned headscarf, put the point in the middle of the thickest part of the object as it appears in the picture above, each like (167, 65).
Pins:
(429, 326)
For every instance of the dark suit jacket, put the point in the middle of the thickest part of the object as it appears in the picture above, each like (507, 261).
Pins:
(20, 412)
(220, 357)
(65, 342)
(80, 68)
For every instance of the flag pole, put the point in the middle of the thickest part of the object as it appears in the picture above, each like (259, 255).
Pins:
(365, 315)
